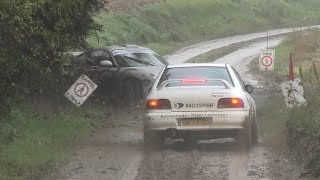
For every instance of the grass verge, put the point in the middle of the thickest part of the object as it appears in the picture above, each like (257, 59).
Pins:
(303, 122)
(272, 115)
(215, 54)
(33, 144)
(282, 52)
(162, 24)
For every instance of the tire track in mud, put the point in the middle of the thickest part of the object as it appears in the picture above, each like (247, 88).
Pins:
(239, 165)
(212, 164)
(201, 161)
(166, 164)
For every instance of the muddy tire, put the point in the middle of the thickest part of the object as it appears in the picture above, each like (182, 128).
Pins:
(254, 132)
(132, 91)
(153, 139)
(245, 137)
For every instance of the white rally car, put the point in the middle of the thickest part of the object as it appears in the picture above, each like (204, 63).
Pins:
(200, 101)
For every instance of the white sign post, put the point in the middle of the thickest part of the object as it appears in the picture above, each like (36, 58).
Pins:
(266, 60)
(81, 90)
(293, 93)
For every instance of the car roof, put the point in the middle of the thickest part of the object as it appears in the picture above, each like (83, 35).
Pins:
(196, 65)
(122, 47)
(115, 48)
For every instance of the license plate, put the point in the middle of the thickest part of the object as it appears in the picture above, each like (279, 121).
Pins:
(195, 122)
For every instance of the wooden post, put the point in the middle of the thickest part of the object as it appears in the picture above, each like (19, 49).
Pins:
(291, 73)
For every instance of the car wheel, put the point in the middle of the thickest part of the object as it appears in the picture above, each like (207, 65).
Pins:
(132, 91)
(153, 139)
(245, 137)
(254, 132)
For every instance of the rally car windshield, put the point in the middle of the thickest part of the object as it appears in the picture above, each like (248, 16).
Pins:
(139, 59)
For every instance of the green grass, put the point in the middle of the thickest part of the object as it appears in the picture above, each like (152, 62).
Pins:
(34, 143)
(281, 59)
(306, 119)
(165, 48)
(272, 115)
(185, 21)
(280, 114)
(303, 122)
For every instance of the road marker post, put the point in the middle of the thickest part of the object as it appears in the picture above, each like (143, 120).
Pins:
(291, 73)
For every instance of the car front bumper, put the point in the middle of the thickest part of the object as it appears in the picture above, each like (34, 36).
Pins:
(162, 121)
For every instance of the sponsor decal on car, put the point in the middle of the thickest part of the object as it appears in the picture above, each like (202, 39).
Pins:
(192, 115)
(200, 105)
(220, 94)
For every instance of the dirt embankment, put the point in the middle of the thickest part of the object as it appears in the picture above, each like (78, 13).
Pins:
(124, 5)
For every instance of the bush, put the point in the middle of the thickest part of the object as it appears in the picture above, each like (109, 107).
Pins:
(304, 132)
(33, 36)
(306, 119)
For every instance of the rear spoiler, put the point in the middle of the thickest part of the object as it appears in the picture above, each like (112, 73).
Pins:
(166, 82)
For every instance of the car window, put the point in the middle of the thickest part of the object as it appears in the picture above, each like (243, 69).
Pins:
(150, 58)
(239, 78)
(128, 60)
(138, 57)
(97, 56)
(205, 73)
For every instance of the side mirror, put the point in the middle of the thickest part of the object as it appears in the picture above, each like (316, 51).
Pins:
(106, 63)
(249, 89)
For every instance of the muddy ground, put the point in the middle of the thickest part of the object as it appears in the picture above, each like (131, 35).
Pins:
(117, 151)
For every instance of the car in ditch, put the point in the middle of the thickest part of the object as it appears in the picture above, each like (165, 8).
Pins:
(200, 101)
(123, 72)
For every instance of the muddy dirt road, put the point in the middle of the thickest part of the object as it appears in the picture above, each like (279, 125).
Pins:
(189, 52)
(117, 152)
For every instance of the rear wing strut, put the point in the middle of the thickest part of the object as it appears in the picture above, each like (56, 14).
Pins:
(164, 84)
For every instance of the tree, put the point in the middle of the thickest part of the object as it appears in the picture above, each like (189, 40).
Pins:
(33, 35)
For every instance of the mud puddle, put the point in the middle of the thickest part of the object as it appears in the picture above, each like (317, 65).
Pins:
(111, 153)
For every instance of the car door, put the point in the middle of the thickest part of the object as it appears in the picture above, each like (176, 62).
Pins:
(102, 75)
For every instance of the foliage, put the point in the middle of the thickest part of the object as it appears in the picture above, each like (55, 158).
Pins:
(306, 118)
(306, 48)
(304, 128)
(39, 141)
(303, 122)
(33, 36)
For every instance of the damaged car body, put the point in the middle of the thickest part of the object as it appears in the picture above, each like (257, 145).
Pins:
(125, 71)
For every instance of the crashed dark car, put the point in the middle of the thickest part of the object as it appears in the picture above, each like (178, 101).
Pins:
(123, 72)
